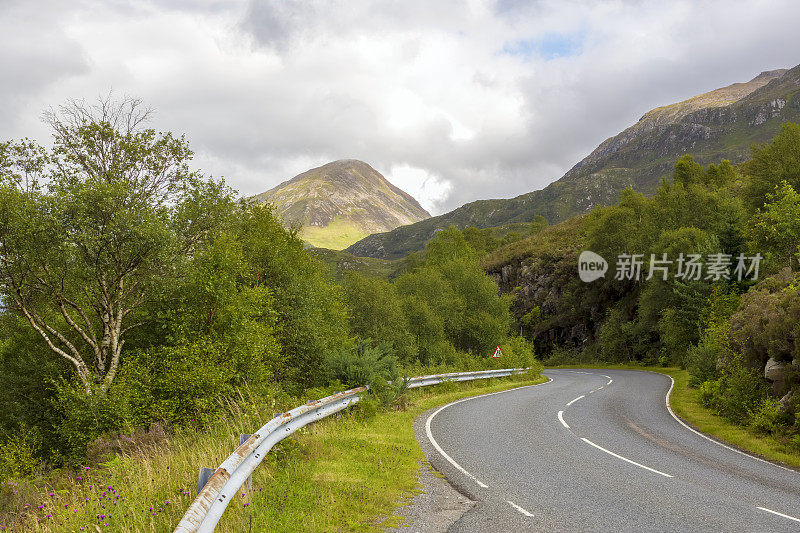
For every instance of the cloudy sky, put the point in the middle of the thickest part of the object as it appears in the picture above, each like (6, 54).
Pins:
(452, 101)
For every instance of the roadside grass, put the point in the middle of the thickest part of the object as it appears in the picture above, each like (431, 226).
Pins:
(344, 473)
(685, 402)
(348, 474)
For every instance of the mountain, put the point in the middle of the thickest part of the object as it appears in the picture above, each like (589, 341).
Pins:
(721, 124)
(341, 202)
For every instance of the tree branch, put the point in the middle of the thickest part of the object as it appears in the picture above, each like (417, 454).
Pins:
(75, 358)
(90, 340)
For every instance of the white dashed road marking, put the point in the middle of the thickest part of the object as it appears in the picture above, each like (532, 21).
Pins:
(520, 509)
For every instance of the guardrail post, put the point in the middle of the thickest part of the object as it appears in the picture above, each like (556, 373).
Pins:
(242, 439)
(203, 476)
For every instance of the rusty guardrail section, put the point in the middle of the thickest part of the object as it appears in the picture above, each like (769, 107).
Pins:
(206, 510)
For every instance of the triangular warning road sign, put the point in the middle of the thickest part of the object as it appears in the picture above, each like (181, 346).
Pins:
(497, 353)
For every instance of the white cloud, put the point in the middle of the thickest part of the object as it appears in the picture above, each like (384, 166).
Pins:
(454, 101)
(426, 187)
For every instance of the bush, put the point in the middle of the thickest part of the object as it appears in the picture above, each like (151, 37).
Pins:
(709, 392)
(83, 418)
(174, 383)
(518, 353)
(737, 394)
(562, 355)
(18, 456)
(376, 312)
(765, 418)
(701, 362)
(363, 364)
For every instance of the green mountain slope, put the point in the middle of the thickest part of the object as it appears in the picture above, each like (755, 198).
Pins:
(720, 124)
(341, 202)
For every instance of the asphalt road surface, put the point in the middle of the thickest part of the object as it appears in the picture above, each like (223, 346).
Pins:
(599, 450)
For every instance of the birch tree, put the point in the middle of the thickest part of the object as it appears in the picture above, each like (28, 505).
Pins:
(94, 227)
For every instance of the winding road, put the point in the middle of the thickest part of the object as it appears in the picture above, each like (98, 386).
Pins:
(599, 450)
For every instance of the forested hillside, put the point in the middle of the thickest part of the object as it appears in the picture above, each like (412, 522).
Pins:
(735, 329)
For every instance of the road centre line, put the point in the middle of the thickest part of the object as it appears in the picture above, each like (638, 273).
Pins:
(439, 448)
(520, 509)
(576, 399)
(775, 512)
(609, 452)
(561, 419)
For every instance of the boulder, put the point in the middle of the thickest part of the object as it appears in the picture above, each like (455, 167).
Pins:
(775, 371)
(784, 402)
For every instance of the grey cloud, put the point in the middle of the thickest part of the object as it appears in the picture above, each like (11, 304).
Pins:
(325, 80)
(36, 53)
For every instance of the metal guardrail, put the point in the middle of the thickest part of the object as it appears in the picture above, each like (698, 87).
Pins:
(206, 510)
(435, 379)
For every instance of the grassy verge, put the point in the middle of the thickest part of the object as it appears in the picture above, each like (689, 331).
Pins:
(686, 404)
(342, 474)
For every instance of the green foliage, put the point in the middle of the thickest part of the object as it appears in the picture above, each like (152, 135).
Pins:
(616, 337)
(94, 227)
(452, 286)
(736, 394)
(771, 164)
(776, 226)
(518, 352)
(363, 364)
(376, 312)
(311, 316)
(82, 419)
(441, 307)
(108, 239)
(765, 419)
(532, 317)
(18, 455)
(688, 171)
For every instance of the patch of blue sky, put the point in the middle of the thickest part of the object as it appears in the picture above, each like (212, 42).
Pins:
(551, 46)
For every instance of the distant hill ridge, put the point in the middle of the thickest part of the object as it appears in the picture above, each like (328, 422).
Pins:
(720, 124)
(341, 202)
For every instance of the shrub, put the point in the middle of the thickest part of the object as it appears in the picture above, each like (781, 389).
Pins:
(563, 355)
(709, 392)
(765, 418)
(174, 383)
(363, 364)
(739, 392)
(518, 353)
(701, 362)
(18, 456)
(84, 418)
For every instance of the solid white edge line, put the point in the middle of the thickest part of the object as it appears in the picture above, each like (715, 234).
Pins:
(439, 448)
(769, 511)
(520, 509)
(690, 428)
(609, 452)
(576, 399)
(561, 419)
